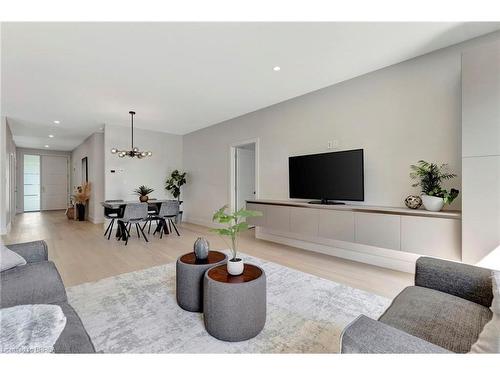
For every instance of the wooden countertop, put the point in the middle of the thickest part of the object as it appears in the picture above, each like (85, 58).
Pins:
(362, 208)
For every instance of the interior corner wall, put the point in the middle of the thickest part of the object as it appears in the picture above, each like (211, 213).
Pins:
(8, 177)
(399, 115)
(93, 149)
(123, 175)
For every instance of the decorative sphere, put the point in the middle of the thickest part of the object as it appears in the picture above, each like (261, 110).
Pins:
(413, 202)
(135, 149)
(114, 150)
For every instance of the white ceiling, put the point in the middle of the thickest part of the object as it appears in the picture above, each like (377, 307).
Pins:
(180, 77)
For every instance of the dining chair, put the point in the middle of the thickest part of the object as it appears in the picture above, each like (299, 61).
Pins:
(169, 210)
(111, 214)
(134, 213)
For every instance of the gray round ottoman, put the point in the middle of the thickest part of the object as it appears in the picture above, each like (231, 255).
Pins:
(189, 278)
(234, 306)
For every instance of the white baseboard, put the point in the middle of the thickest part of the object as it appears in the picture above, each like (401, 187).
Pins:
(96, 220)
(200, 221)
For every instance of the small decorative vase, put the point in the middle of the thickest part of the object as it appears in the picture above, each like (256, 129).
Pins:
(235, 266)
(431, 203)
(413, 201)
(143, 198)
(201, 248)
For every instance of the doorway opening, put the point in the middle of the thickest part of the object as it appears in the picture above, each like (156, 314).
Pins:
(244, 173)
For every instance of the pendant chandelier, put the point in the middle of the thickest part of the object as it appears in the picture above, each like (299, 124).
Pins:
(134, 152)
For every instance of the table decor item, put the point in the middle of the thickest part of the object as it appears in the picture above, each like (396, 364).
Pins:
(413, 201)
(143, 191)
(201, 248)
(235, 224)
(430, 176)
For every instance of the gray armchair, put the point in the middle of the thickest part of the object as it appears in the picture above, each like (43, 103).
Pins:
(443, 313)
(39, 282)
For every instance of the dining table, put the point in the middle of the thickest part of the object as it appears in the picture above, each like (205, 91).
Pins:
(119, 207)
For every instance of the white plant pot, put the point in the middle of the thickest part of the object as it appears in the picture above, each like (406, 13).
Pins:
(431, 203)
(235, 267)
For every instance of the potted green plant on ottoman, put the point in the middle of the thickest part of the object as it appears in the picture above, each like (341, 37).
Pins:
(234, 226)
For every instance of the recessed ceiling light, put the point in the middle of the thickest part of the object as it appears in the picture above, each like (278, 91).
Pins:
(51, 135)
(57, 122)
(276, 68)
(46, 146)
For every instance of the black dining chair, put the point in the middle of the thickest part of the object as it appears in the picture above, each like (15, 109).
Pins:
(169, 210)
(111, 214)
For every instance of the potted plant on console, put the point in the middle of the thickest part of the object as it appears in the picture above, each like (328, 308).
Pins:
(234, 226)
(81, 196)
(430, 176)
(143, 192)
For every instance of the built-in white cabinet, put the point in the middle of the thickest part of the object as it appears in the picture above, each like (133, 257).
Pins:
(381, 230)
(480, 152)
(431, 236)
(278, 218)
(392, 237)
(304, 221)
(258, 220)
(336, 225)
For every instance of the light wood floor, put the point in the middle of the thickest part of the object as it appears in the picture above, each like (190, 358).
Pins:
(83, 254)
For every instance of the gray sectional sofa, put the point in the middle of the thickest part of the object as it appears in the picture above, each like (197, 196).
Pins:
(39, 282)
(443, 313)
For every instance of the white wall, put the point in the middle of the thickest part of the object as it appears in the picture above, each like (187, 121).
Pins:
(93, 149)
(398, 115)
(130, 173)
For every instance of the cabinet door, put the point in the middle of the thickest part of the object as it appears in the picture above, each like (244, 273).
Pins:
(304, 221)
(379, 230)
(336, 225)
(278, 218)
(258, 221)
(431, 236)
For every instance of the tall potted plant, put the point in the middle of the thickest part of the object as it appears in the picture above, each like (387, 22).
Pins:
(143, 192)
(430, 176)
(234, 226)
(174, 183)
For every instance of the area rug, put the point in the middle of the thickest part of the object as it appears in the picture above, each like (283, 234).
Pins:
(137, 312)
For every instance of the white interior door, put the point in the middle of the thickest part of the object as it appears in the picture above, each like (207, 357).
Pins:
(54, 182)
(245, 176)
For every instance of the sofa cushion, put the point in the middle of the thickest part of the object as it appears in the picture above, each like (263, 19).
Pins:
(440, 318)
(9, 259)
(74, 338)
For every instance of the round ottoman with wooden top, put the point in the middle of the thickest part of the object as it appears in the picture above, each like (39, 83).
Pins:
(189, 278)
(234, 306)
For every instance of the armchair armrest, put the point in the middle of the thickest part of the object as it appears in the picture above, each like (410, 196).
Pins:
(30, 284)
(366, 335)
(35, 251)
(462, 280)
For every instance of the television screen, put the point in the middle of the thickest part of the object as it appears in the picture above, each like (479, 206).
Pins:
(332, 175)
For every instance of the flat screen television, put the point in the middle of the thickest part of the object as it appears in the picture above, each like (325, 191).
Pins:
(328, 176)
